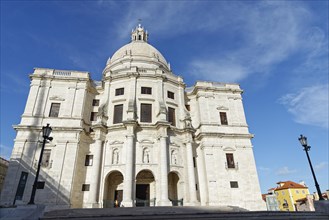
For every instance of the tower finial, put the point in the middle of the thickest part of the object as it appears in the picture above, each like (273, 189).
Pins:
(139, 34)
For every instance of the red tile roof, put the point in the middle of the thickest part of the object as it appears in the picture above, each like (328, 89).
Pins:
(290, 185)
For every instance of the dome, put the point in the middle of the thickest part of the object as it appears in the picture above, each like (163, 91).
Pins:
(139, 49)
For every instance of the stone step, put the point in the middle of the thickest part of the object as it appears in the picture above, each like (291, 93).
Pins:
(24, 212)
(231, 213)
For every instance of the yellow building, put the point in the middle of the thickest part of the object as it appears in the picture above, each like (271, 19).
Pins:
(287, 192)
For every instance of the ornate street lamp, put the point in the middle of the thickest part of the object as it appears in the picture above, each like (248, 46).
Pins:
(46, 130)
(303, 142)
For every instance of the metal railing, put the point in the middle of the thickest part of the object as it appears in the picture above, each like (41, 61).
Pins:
(111, 204)
(140, 202)
(178, 202)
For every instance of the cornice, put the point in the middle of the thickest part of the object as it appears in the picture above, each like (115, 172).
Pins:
(201, 135)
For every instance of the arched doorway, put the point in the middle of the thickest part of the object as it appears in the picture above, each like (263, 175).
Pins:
(145, 188)
(113, 191)
(173, 193)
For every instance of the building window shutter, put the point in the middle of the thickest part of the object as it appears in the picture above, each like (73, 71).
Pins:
(119, 91)
(93, 116)
(234, 184)
(96, 102)
(85, 187)
(146, 90)
(54, 109)
(146, 113)
(118, 113)
(223, 118)
(45, 158)
(230, 161)
(171, 116)
(171, 95)
(89, 160)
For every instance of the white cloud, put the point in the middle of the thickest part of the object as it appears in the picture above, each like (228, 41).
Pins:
(268, 34)
(285, 171)
(218, 70)
(309, 105)
(321, 166)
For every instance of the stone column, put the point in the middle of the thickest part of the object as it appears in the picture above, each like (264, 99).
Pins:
(191, 175)
(164, 201)
(94, 182)
(128, 178)
(202, 177)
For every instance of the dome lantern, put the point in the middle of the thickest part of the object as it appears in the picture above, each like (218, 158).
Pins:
(139, 34)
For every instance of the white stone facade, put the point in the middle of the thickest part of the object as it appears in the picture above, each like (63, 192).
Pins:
(167, 145)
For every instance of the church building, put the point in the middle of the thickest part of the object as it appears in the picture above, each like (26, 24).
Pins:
(138, 137)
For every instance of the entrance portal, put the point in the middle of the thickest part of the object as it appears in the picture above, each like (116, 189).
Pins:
(173, 181)
(142, 194)
(113, 191)
(145, 189)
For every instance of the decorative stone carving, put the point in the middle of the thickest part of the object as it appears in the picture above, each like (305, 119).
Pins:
(115, 156)
(146, 155)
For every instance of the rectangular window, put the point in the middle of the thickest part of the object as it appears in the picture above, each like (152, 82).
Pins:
(21, 186)
(194, 162)
(230, 161)
(85, 187)
(234, 184)
(170, 95)
(118, 113)
(89, 160)
(146, 90)
(171, 116)
(196, 186)
(96, 102)
(119, 91)
(146, 113)
(223, 118)
(93, 116)
(45, 158)
(54, 109)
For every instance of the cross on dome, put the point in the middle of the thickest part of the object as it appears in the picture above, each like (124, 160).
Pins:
(139, 34)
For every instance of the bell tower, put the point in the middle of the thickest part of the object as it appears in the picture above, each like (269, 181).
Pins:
(139, 34)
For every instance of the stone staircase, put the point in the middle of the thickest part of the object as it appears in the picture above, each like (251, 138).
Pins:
(24, 212)
(231, 213)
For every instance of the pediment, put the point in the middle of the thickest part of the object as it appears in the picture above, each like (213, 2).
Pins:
(115, 142)
(145, 141)
(221, 107)
(229, 148)
(56, 98)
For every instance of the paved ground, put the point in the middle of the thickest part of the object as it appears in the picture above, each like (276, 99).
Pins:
(144, 213)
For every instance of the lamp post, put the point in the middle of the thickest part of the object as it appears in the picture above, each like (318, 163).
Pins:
(303, 142)
(46, 130)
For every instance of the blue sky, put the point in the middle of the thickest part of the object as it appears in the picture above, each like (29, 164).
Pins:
(276, 50)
